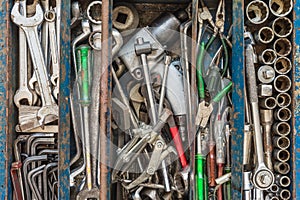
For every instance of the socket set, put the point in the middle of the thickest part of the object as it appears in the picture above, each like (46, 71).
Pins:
(268, 39)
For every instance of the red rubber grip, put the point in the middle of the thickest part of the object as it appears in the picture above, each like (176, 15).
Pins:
(178, 144)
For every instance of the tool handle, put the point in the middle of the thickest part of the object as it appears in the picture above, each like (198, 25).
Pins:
(250, 75)
(212, 165)
(223, 92)
(220, 173)
(227, 185)
(84, 74)
(199, 74)
(178, 144)
(200, 179)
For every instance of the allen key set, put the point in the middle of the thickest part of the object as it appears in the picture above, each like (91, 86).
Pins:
(151, 99)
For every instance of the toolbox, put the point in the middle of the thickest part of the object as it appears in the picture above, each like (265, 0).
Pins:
(127, 38)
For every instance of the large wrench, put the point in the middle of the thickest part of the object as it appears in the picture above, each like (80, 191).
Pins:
(29, 25)
(263, 178)
(23, 92)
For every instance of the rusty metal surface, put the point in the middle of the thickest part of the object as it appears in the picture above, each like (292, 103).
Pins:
(105, 104)
(237, 97)
(3, 97)
(296, 104)
(64, 109)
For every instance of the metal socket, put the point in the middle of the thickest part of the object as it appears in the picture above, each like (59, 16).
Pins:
(283, 65)
(283, 100)
(282, 167)
(265, 90)
(268, 57)
(280, 8)
(282, 180)
(274, 188)
(265, 35)
(281, 155)
(285, 194)
(282, 83)
(257, 12)
(281, 142)
(282, 128)
(268, 103)
(93, 12)
(282, 47)
(266, 74)
(282, 27)
(125, 17)
(283, 114)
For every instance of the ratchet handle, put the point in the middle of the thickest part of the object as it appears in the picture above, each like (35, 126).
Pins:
(221, 94)
(199, 176)
(178, 145)
(250, 74)
(84, 72)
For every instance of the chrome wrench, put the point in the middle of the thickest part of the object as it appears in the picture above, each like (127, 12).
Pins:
(50, 19)
(23, 92)
(263, 178)
(29, 25)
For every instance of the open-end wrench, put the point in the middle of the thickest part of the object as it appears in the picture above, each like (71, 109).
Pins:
(45, 31)
(29, 25)
(50, 19)
(23, 92)
(263, 177)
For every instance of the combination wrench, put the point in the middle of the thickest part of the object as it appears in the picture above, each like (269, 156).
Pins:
(23, 92)
(29, 25)
(263, 178)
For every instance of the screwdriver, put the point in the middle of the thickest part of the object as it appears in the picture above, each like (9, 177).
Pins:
(83, 53)
(200, 168)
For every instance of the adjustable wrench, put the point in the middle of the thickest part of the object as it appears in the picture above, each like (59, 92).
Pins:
(263, 177)
(29, 25)
(23, 92)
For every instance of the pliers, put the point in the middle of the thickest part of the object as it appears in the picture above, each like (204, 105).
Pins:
(218, 29)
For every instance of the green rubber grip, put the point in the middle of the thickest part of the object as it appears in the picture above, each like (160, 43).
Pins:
(199, 177)
(227, 185)
(199, 68)
(225, 55)
(221, 94)
(84, 73)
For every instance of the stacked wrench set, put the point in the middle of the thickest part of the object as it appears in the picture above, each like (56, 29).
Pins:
(268, 99)
(34, 171)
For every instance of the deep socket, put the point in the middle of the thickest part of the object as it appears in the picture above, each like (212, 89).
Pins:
(274, 188)
(282, 47)
(283, 65)
(280, 8)
(268, 57)
(282, 27)
(282, 180)
(281, 142)
(266, 74)
(282, 167)
(282, 83)
(265, 35)
(283, 99)
(283, 114)
(281, 155)
(285, 194)
(281, 128)
(257, 12)
(268, 103)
